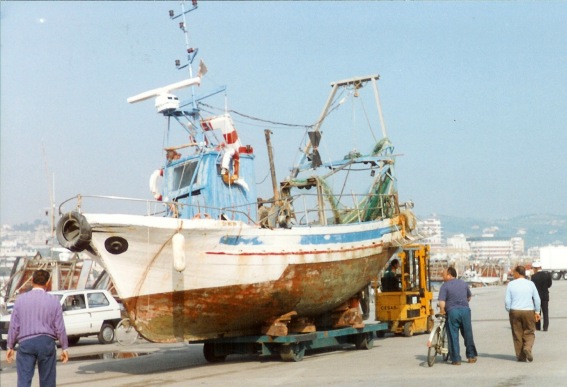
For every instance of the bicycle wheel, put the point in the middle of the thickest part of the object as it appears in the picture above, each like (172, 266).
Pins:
(125, 332)
(432, 350)
(444, 346)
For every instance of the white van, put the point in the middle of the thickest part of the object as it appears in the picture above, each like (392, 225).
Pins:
(85, 312)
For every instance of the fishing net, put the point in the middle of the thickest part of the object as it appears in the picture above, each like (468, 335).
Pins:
(378, 203)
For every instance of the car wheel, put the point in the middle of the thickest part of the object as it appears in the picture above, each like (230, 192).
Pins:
(73, 340)
(106, 334)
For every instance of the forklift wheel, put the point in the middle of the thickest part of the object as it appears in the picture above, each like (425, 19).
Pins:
(408, 329)
(430, 324)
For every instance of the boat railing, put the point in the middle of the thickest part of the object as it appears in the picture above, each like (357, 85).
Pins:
(306, 208)
(149, 207)
(309, 209)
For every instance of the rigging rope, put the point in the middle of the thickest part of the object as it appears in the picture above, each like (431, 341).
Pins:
(334, 107)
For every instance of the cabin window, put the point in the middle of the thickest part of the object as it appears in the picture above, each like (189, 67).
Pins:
(183, 175)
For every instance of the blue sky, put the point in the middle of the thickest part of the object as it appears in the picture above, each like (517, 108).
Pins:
(474, 93)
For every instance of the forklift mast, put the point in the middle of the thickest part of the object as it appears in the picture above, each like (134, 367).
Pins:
(415, 269)
(406, 306)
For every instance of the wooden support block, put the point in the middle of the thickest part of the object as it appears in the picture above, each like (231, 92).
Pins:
(275, 329)
(302, 325)
(278, 325)
(349, 318)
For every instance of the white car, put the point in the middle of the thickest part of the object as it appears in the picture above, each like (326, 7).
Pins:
(85, 312)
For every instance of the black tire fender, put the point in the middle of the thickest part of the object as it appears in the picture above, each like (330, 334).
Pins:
(74, 232)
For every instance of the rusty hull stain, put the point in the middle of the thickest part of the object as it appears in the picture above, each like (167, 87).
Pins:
(309, 289)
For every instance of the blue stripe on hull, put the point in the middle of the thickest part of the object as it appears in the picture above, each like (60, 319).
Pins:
(238, 240)
(318, 239)
(359, 236)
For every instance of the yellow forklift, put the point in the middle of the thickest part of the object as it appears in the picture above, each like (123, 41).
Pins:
(404, 300)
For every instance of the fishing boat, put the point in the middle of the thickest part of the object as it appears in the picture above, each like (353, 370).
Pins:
(207, 258)
(487, 273)
(70, 273)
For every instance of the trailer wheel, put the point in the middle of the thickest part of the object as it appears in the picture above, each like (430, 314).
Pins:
(565, 276)
(364, 341)
(210, 355)
(408, 329)
(555, 276)
(292, 352)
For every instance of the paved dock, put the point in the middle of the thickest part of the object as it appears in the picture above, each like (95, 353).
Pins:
(394, 360)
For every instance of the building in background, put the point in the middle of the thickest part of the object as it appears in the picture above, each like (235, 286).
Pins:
(433, 231)
(488, 248)
(518, 246)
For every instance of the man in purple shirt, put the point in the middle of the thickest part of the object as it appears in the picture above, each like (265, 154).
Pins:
(36, 322)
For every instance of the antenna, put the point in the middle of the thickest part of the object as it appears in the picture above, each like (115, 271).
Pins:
(165, 102)
(191, 52)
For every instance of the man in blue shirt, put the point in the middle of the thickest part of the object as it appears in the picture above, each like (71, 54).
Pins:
(36, 322)
(454, 297)
(523, 305)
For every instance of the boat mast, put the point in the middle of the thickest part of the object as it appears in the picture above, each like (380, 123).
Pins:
(191, 52)
(305, 152)
(51, 213)
(267, 133)
(379, 105)
(357, 82)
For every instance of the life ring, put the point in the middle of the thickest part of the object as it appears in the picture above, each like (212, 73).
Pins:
(227, 177)
(74, 232)
(154, 183)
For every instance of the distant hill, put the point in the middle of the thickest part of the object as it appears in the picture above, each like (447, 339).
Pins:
(536, 230)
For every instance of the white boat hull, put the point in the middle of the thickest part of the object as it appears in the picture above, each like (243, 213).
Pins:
(235, 277)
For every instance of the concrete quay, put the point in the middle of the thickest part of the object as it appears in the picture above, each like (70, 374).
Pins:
(394, 360)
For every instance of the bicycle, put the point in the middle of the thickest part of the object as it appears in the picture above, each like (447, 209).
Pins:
(126, 334)
(438, 342)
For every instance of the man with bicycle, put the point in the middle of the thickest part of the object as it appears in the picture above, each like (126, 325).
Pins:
(454, 297)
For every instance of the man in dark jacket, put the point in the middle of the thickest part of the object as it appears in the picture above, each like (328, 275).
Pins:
(542, 281)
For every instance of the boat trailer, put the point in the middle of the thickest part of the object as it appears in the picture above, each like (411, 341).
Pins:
(291, 347)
